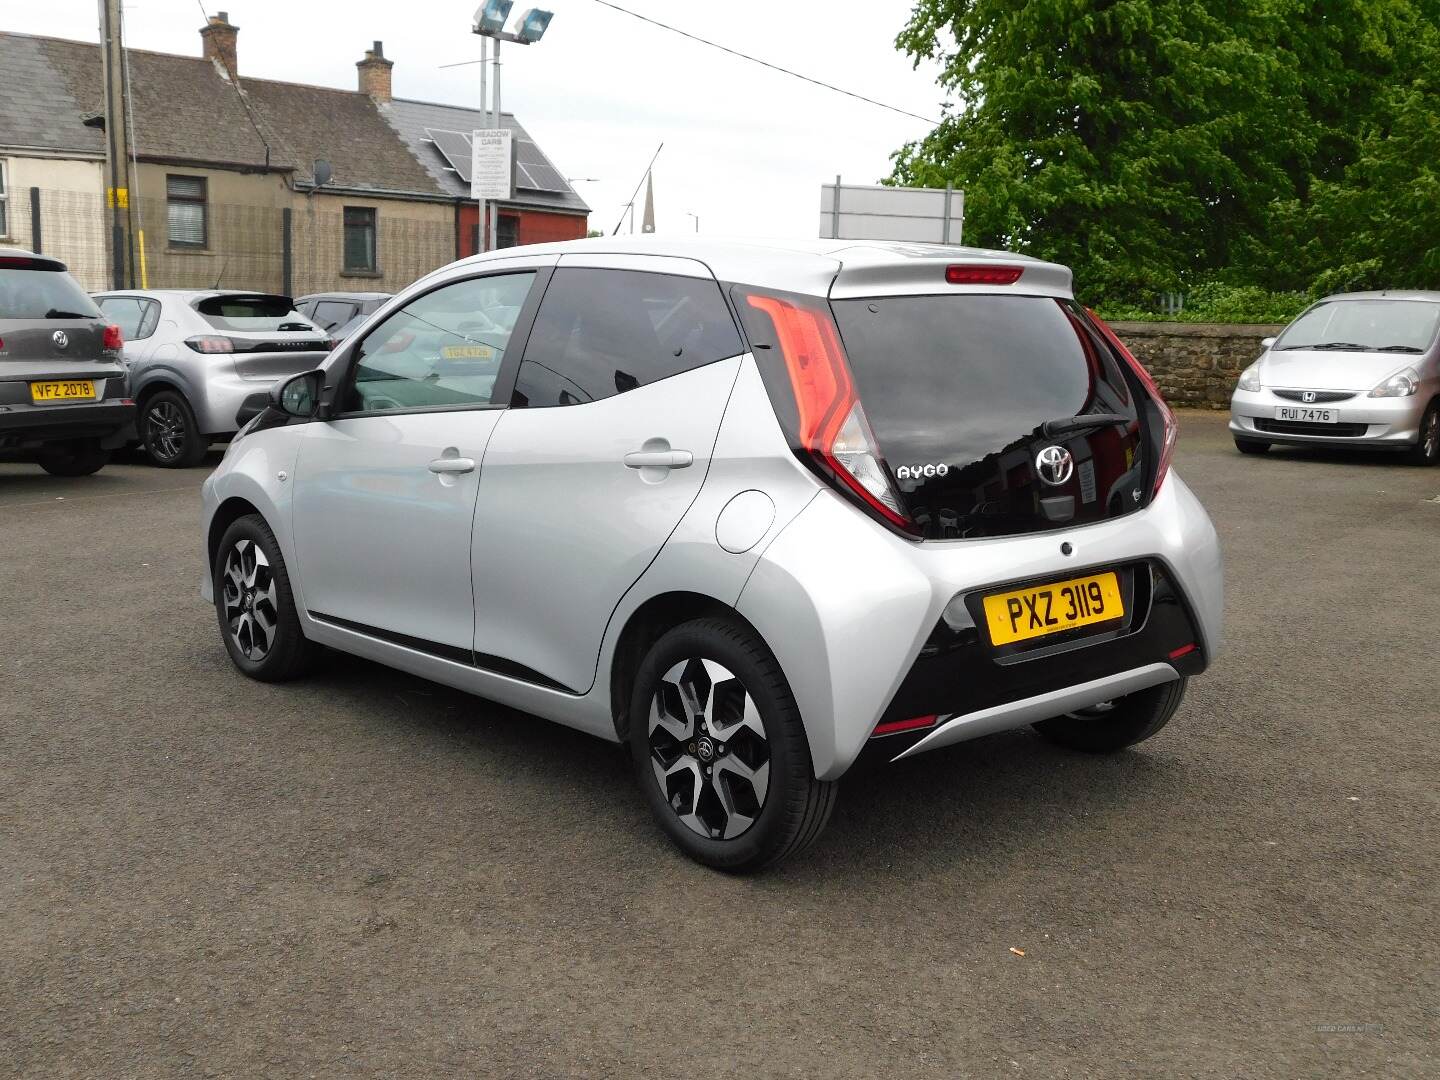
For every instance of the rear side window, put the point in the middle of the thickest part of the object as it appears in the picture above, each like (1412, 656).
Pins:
(43, 294)
(252, 314)
(603, 332)
(332, 313)
(131, 314)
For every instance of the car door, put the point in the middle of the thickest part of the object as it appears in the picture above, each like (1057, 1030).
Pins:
(614, 415)
(385, 484)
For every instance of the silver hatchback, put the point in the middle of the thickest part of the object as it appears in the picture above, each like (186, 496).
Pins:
(765, 513)
(1355, 369)
(194, 357)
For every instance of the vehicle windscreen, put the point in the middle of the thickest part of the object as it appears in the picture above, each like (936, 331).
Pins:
(1399, 326)
(957, 390)
(252, 314)
(43, 294)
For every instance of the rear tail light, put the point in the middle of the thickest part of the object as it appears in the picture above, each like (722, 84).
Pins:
(113, 339)
(1167, 442)
(209, 343)
(983, 275)
(832, 430)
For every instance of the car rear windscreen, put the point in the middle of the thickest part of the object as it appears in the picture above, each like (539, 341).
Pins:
(252, 314)
(43, 294)
(957, 389)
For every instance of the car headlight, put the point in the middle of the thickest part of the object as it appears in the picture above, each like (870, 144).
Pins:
(1250, 378)
(1401, 384)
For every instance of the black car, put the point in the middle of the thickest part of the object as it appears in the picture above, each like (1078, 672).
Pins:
(339, 313)
(64, 400)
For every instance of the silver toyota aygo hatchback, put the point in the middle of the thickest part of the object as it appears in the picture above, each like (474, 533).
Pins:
(763, 512)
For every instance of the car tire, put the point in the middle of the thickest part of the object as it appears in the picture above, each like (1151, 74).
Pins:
(720, 751)
(1114, 725)
(169, 433)
(1251, 446)
(255, 605)
(1426, 450)
(74, 459)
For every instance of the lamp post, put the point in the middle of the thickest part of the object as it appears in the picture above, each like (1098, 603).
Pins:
(489, 22)
(691, 213)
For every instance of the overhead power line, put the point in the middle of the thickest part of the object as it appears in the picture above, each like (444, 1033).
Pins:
(764, 63)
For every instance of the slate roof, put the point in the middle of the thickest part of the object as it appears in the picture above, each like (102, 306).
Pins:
(411, 119)
(187, 111)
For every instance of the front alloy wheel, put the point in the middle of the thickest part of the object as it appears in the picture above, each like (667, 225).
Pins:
(1427, 448)
(708, 749)
(255, 605)
(251, 606)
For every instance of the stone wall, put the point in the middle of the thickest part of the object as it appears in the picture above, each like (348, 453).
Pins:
(1196, 364)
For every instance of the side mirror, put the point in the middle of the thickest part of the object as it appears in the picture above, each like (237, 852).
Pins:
(1266, 342)
(298, 395)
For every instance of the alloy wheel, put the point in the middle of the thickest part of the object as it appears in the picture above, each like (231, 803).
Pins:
(252, 611)
(165, 430)
(709, 749)
(1430, 437)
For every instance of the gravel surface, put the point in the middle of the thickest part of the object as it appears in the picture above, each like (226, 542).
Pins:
(364, 874)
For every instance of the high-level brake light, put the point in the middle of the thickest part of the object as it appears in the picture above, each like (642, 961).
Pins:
(983, 275)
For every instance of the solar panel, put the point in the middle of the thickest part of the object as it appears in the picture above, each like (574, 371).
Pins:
(454, 147)
(533, 170)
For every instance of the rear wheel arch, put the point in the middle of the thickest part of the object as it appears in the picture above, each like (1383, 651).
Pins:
(150, 389)
(646, 625)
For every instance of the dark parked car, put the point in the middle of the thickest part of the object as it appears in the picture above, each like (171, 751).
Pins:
(64, 400)
(338, 314)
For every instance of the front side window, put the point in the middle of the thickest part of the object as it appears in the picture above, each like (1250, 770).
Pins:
(1398, 326)
(443, 349)
(186, 211)
(360, 240)
(603, 332)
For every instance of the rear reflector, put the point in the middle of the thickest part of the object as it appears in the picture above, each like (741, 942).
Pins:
(1184, 650)
(891, 727)
(983, 275)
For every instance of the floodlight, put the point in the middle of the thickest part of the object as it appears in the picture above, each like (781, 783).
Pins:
(490, 16)
(532, 26)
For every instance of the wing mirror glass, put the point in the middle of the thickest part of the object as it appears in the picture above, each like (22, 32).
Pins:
(299, 395)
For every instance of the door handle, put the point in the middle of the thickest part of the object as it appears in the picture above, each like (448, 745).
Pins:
(658, 459)
(446, 465)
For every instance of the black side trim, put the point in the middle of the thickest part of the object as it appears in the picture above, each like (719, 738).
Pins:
(496, 665)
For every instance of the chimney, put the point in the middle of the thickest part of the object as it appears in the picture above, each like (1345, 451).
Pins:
(374, 73)
(217, 37)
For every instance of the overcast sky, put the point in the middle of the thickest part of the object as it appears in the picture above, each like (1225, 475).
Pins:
(746, 148)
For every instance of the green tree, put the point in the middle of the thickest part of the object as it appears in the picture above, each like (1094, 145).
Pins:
(1153, 144)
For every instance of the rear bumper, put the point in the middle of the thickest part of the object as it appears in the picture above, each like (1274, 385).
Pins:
(852, 611)
(26, 426)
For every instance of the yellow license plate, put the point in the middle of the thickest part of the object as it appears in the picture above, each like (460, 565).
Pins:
(467, 352)
(1050, 609)
(69, 390)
